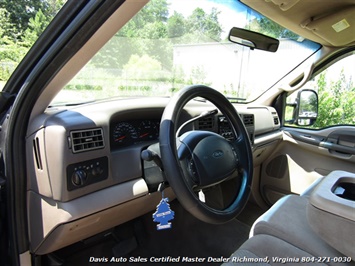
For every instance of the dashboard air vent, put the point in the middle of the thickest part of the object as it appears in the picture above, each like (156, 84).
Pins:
(248, 120)
(86, 140)
(205, 123)
(37, 153)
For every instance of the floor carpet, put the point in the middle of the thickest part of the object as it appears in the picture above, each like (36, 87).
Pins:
(139, 243)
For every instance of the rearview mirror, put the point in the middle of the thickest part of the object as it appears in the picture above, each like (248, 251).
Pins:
(253, 40)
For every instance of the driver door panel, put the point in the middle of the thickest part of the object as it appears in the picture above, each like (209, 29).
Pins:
(303, 156)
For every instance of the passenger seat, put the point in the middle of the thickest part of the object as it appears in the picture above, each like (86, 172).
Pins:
(287, 220)
(284, 232)
(269, 250)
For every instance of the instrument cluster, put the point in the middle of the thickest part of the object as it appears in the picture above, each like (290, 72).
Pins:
(131, 132)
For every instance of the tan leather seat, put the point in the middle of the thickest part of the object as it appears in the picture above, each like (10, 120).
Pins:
(270, 250)
(284, 232)
(287, 220)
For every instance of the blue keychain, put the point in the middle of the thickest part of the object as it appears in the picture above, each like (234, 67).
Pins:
(163, 212)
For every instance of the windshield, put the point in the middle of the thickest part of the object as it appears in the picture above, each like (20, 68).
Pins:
(170, 44)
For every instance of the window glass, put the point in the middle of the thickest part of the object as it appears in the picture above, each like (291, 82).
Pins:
(22, 22)
(171, 44)
(336, 95)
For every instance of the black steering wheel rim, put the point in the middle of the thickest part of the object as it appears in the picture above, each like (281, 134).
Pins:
(172, 167)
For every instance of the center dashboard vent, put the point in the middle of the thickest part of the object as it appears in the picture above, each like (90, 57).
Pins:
(248, 120)
(205, 123)
(86, 140)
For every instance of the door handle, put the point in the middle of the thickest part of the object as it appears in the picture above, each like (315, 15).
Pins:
(337, 147)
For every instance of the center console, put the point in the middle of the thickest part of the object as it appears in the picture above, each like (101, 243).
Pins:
(331, 211)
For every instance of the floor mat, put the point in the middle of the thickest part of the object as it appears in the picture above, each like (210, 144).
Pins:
(187, 242)
(250, 213)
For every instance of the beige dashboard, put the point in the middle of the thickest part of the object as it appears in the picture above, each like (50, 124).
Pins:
(85, 168)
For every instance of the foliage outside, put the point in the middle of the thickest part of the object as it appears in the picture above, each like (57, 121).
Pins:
(22, 22)
(270, 28)
(336, 101)
(138, 60)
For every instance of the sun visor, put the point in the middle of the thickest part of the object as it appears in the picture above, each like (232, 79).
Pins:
(338, 28)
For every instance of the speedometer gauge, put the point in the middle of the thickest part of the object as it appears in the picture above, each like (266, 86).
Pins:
(134, 132)
(124, 133)
(148, 130)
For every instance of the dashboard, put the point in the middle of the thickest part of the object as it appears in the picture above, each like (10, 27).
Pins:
(85, 165)
(139, 131)
(98, 145)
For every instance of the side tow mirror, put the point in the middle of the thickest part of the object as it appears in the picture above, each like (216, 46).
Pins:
(304, 109)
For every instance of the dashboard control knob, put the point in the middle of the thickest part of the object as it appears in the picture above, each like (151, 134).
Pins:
(96, 171)
(79, 177)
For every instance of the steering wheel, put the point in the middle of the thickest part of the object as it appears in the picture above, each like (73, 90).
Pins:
(202, 159)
